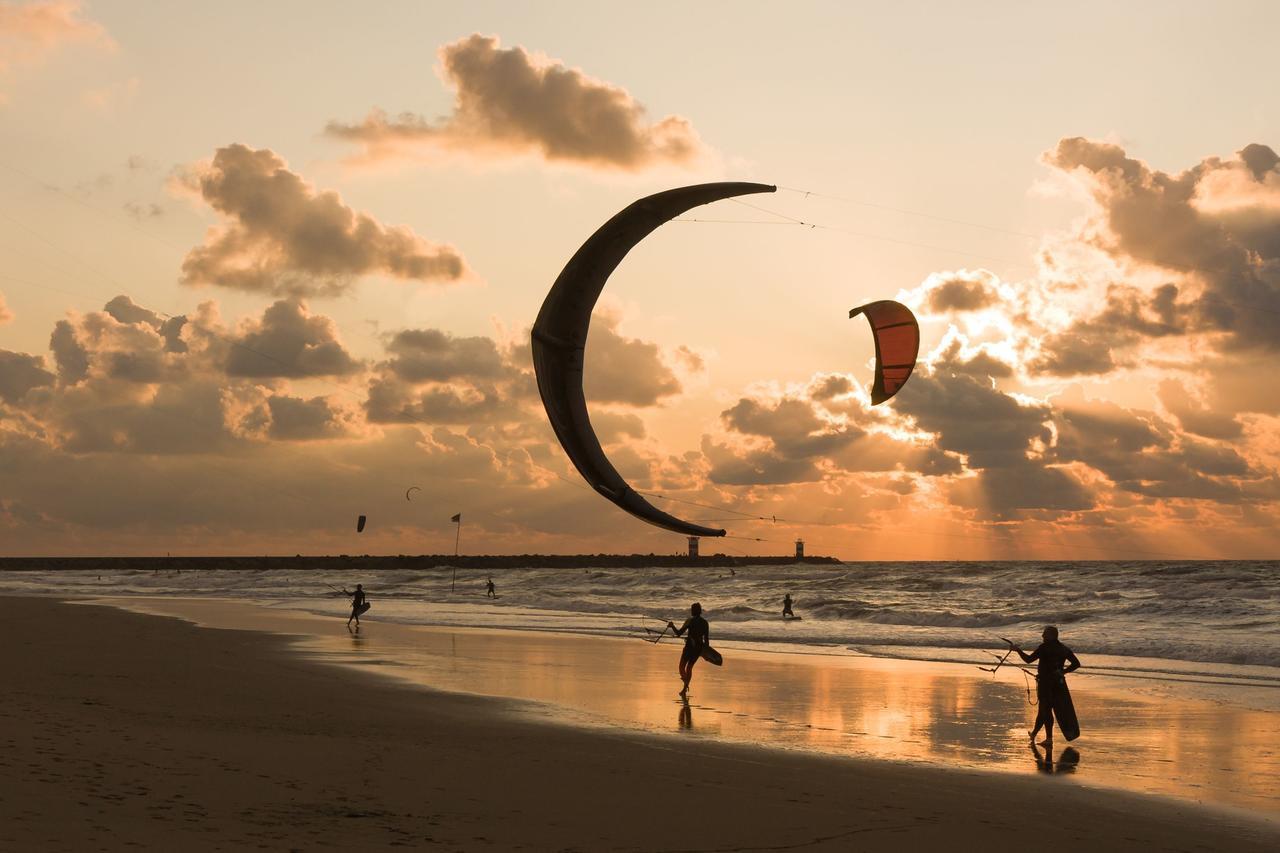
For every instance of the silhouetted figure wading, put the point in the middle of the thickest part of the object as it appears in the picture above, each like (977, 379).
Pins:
(786, 606)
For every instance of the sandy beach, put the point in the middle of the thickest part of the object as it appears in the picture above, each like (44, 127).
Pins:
(126, 730)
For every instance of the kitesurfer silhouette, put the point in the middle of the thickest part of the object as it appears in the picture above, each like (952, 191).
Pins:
(357, 602)
(1051, 687)
(697, 639)
(489, 590)
(786, 606)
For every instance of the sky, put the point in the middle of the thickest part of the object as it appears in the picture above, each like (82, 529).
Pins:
(267, 266)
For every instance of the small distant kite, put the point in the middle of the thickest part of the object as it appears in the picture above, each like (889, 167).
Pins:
(409, 491)
(897, 336)
(360, 524)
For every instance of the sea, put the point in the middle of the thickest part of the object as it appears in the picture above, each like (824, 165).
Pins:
(1210, 622)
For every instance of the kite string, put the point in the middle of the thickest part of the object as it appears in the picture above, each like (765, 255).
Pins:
(921, 214)
(744, 516)
(882, 237)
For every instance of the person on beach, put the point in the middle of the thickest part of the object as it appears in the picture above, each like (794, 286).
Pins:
(697, 635)
(786, 606)
(357, 602)
(1051, 658)
(490, 590)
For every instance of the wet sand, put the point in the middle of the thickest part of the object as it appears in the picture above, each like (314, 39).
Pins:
(128, 730)
(1198, 740)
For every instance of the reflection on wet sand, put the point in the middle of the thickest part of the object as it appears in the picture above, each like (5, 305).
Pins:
(1165, 743)
(1068, 760)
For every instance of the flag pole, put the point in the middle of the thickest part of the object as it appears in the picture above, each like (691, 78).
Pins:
(456, 540)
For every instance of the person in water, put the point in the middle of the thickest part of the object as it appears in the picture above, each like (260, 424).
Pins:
(489, 590)
(1051, 658)
(697, 635)
(786, 606)
(357, 602)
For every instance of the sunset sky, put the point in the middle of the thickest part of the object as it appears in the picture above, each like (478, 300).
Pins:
(266, 266)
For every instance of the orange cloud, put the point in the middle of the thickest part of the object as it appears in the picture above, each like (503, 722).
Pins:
(283, 236)
(510, 102)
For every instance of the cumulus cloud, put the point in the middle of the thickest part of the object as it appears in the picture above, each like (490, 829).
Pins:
(433, 377)
(1216, 223)
(301, 419)
(1139, 453)
(820, 431)
(834, 385)
(629, 371)
(183, 452)
(614, 427)
(513, 102)
(990, 428)
(19, 373)
(72, 358)
(961, 291)
(432, 355)
(281, 235)
(288, 342)
(976, 361)
(391, 401)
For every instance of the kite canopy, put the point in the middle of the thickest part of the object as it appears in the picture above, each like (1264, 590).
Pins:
(897, 336)
(360, 524)
(409, 491)
(560, 339)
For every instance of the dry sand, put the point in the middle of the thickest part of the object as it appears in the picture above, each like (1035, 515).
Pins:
(124, 730)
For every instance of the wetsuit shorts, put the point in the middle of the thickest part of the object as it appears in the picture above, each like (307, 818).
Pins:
(691, 654)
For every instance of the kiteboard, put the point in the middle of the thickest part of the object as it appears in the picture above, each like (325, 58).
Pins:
(1064, 712)
(362, 609)
(792, 618)
(712, 656)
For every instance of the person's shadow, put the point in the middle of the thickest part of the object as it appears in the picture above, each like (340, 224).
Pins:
(686, 715)
(1067, 761)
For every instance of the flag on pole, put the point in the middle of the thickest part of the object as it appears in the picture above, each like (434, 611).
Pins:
(457, 519)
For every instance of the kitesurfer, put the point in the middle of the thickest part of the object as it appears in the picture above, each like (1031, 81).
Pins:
(490, 592)
(357, 604)
(786, 606)
(1051, 658)
(697, 635)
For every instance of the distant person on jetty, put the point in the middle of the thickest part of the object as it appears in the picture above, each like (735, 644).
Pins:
(357, 604)
(786, 606)
(1050, 658)
(490, 591)
(697, 635)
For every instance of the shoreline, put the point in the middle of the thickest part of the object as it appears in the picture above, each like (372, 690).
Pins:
(829, 707)
(167, 734)
(375, 563)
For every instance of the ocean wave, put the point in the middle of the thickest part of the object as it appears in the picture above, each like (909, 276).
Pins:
(1224, 611)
